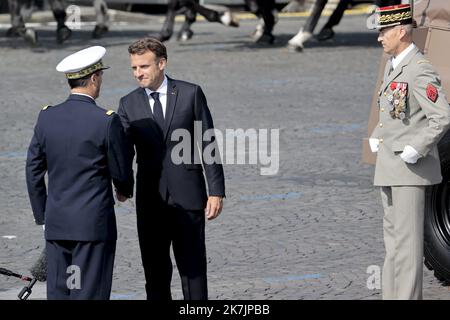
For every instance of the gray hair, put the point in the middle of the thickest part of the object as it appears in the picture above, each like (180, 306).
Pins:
(409, 29)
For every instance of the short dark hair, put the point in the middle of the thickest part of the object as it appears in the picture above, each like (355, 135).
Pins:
(81, 82)
(144, 45)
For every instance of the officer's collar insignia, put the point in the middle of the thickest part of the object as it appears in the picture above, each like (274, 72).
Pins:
(45, 107)
(397, 99)
(432, 92)
(109, 112)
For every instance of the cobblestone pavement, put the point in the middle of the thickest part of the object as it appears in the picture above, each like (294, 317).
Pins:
(308, 232)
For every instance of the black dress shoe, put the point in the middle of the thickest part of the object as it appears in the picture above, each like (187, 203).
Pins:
(266, 38)
(228, 19)
(185, 35)
(30, 36)
(163, 37)
(325, 34)
(62, 34)
(12, 32)
(99, 31)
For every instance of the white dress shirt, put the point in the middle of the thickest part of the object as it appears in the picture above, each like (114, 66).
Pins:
(82, 94)
(162, 90)
(396, 60)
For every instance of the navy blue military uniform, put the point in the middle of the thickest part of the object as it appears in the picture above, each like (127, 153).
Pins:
(83, 148)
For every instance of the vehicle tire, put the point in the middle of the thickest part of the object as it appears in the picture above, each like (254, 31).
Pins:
(437, 219)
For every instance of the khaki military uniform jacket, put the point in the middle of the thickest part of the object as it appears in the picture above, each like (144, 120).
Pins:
(421, 120)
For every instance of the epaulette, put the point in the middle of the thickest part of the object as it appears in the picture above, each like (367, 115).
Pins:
(109, 112)
(423, 61)
(45, 107)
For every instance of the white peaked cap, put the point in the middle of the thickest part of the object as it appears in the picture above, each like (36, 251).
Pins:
(83, 62)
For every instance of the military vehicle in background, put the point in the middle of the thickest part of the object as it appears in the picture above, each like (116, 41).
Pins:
(432, 36)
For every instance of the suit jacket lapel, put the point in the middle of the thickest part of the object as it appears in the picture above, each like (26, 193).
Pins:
(397, 71)
(172, 94)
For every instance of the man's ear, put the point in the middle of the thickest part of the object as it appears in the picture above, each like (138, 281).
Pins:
(403, 33)
(162, 63)
(94, 78)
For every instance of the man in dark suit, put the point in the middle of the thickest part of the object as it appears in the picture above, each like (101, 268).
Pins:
(82, 147)
(171, 197)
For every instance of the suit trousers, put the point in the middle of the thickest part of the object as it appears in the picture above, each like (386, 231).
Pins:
(79, 270)
(159, 227)
(263, 9)
(337, 14)
(403, 239)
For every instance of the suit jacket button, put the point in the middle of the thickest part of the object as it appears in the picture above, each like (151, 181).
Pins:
(381, 140)
(381, 124)
(382, 109)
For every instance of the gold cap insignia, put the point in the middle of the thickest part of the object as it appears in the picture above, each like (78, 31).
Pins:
(87, 71)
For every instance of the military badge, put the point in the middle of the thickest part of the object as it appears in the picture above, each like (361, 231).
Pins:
(397, 99)
(432, 92)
